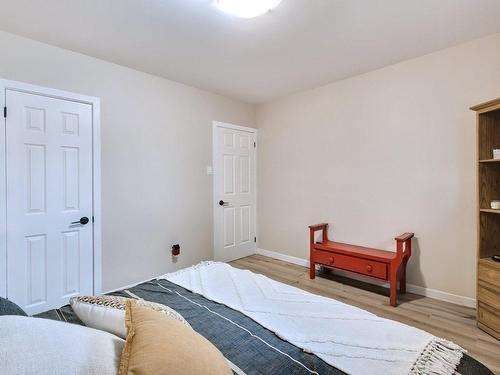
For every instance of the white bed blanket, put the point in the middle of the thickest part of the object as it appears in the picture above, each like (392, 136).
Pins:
(346, 337)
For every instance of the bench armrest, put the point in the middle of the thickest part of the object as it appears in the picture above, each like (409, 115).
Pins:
(404, 237)
(318, 226)
(315, 227)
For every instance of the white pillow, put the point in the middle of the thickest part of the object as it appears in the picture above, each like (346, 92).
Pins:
(107, 313)
(35, 346)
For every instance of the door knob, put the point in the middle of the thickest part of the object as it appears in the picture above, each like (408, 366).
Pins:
(83, 220)
(222, 203)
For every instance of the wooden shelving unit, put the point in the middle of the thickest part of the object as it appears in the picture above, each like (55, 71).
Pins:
(489, 210)
(488, 182)
(489, 262)
(489, 161)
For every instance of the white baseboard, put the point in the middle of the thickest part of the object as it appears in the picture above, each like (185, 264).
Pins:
(284, 257)
(416, 289)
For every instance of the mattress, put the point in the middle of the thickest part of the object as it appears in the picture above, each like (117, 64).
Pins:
(251, 347)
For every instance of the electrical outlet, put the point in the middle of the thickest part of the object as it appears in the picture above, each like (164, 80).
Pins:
(176, 249)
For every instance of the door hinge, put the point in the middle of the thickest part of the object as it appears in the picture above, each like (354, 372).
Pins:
(4, 112)
(254, 144)
(92, 219)
(255, 239)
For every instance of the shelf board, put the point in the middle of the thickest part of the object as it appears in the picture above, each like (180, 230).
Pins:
(489, 161)
(490, 211)
(490, 262)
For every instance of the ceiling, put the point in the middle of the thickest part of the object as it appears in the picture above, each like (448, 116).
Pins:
(299, 45)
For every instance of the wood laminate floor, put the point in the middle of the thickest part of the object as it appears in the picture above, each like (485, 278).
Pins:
(443, 319)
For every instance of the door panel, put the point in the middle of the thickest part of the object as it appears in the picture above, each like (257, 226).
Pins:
(234, 184)
(245, 174)
(71, 180)
(71, 265)
(36, 254)
(36, 161)
(49, 186)
(229, 172)
(245, 221)
(229, 225)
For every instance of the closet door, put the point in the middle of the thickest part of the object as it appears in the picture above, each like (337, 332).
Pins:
(49, 200)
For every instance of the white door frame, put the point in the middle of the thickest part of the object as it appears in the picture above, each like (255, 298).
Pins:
(215, 205)
(96, 173)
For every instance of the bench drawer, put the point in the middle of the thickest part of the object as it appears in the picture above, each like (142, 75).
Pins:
(353, 264)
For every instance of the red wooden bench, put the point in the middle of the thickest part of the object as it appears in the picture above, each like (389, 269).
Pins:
(379, 264)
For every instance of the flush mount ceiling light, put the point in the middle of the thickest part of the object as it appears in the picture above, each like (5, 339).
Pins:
(247, 8)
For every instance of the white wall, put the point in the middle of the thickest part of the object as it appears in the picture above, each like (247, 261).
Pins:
(375, 155)
(380, 154)
(156, 144)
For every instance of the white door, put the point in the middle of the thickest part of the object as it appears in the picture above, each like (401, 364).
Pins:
(234, 192)
(49, 191)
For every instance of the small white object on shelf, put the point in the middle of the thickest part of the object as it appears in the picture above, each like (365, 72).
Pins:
(495, 205)
(496, 153)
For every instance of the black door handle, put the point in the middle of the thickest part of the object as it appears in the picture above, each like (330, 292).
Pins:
(83, 220)
(222, 203)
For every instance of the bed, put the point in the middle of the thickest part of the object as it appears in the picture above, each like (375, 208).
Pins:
(251, 347)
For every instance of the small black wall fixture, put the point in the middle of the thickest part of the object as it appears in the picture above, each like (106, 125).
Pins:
(176, 249)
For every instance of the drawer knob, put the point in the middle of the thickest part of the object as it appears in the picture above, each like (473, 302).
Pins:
(369, 268)
(331, 260)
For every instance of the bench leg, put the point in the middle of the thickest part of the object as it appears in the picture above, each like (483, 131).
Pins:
(402, 280)
(312, 270)
(393, 281)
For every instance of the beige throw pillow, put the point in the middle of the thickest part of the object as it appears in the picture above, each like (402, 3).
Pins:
(157, 344)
